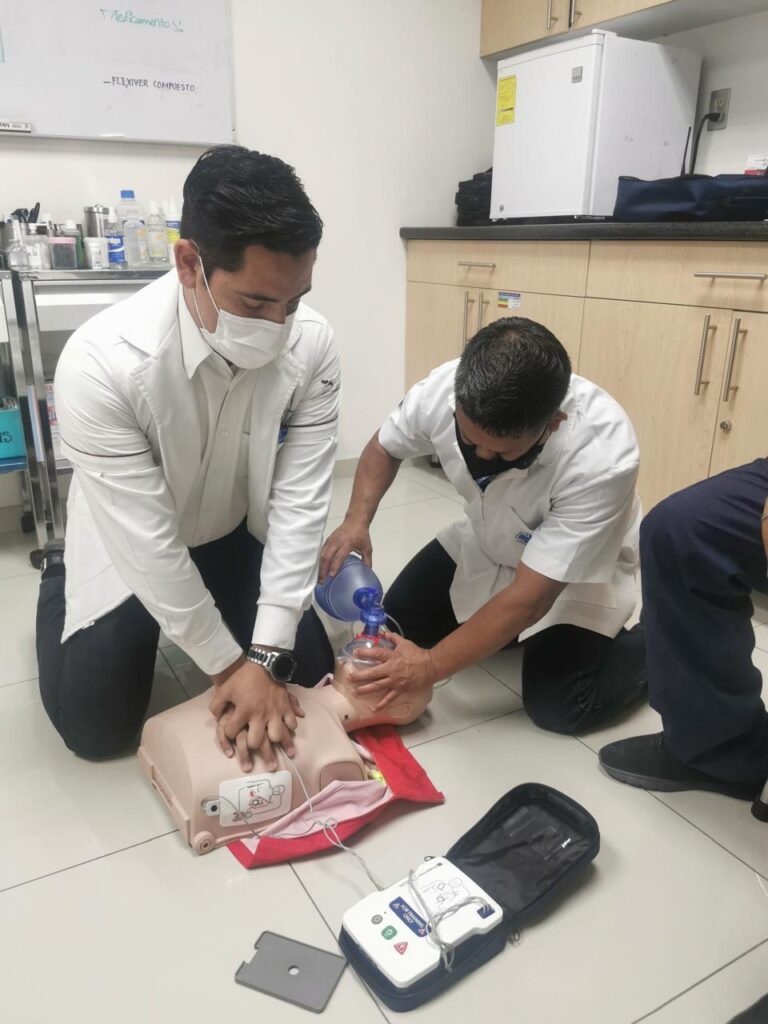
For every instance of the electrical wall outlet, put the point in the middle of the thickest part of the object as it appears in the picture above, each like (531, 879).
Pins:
(719, 101)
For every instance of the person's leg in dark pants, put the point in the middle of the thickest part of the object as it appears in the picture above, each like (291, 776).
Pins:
(420, 599)
(575, 680)
(572, 678)
(231, 570)
(96, 686)
(701, 556)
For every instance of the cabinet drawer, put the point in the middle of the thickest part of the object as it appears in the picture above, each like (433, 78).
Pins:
(728, 275)
(553, 268)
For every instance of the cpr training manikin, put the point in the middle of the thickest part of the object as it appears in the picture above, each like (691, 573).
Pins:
(209, 797)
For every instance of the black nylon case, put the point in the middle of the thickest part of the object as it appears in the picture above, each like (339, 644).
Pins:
(527, 849)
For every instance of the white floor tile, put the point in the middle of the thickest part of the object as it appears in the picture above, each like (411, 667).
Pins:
(398, 533)
(761, 636)
(403, 491)
(156, 934)
(468, 698)
(62, 810)
(663, 907)
(507, 667)
(14, 554)
(192, 678)
(727, 821)
(760, 602)
(434, 479)
(723, 995)
(18, 600)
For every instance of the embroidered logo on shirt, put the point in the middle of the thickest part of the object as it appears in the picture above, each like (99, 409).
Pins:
(522, 537)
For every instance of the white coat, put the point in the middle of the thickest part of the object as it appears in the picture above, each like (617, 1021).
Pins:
(131, 428)
(573, 516)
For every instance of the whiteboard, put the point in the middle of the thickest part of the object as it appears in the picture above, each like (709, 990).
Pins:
(148, 70)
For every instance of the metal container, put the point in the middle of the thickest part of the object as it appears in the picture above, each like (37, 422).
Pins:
(96, 219)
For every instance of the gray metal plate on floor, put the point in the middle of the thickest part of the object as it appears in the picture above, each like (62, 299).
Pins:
(292, 971)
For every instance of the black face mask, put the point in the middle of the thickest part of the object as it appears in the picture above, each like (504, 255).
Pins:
(484, 469)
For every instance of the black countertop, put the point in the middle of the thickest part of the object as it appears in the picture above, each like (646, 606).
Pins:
(669, 231)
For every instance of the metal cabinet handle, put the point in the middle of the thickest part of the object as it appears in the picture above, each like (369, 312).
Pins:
(699, 383)
(481, 305)
(550, 18)
(573, 14)
(467, 301)
(474, 263)
(734, 276)
(727, 386)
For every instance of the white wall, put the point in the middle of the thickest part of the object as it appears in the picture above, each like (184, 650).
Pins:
(382, 107)
(735, 56)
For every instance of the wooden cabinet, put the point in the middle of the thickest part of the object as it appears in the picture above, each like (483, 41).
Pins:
(455, 288)
(664, 364)
(506, 24)
(439, 320)
(741, 433)
(592, 12)
(676, 332)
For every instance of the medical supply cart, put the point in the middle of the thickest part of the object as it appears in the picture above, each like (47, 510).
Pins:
(43, 307)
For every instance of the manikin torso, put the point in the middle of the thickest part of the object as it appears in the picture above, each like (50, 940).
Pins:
(213, 802)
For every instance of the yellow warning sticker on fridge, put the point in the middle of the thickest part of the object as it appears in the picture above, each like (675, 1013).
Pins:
(506, 98)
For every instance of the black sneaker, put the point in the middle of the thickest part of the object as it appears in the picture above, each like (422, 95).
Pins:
(644, 761)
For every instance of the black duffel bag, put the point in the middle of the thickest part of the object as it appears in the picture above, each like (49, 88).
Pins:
(729, 197)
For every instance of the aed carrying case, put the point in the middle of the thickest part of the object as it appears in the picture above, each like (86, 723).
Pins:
(524, 853)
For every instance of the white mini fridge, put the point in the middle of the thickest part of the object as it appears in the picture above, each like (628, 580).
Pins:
(573, 117)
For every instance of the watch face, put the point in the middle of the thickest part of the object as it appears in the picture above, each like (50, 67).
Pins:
(282, 667)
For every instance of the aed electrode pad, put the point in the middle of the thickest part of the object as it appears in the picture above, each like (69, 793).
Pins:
(390, 926)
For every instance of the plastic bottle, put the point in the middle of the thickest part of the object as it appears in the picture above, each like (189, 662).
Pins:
(172, 225)
(157, 242)
(70, 229)
(131, 216)
(116, 241)
(16, 251)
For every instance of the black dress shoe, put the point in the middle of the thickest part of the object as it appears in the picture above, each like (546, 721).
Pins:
(644, 761)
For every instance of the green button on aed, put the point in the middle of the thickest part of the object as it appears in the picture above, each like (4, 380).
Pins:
(389, 932)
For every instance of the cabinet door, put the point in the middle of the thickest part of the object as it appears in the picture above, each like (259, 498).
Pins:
(664, 365)
(591, 12)
(742, 417)
(439, 319)
(562, 314)
(509, 23)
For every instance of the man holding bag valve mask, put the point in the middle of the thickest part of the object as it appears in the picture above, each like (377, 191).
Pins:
(546, 551)
(200, 417)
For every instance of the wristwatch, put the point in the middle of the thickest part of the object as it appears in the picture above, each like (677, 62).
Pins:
(281, 665)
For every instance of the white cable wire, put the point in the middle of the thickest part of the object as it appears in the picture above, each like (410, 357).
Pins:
(433, 919)
(328, 826)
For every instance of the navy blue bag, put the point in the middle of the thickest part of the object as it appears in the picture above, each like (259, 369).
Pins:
(526, 852)
(729, 197)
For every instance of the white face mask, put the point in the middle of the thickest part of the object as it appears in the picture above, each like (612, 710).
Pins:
(244, 341)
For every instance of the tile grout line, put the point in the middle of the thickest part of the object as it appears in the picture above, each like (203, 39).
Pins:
(700, 982)
(18, 682)
(334, 937)
(90, 860)
(674, 810)
(464, 728)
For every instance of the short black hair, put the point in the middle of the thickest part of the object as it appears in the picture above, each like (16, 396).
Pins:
(512, 377)
(235, 197)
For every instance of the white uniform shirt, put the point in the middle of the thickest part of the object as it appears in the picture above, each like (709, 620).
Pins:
(218, 501)
(170, 449)
(573, 516)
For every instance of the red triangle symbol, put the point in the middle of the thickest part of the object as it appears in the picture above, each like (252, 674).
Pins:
(401, 946)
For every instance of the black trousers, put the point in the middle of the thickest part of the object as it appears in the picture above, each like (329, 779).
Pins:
(574, 679)
(96, 686)
(702, 556)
